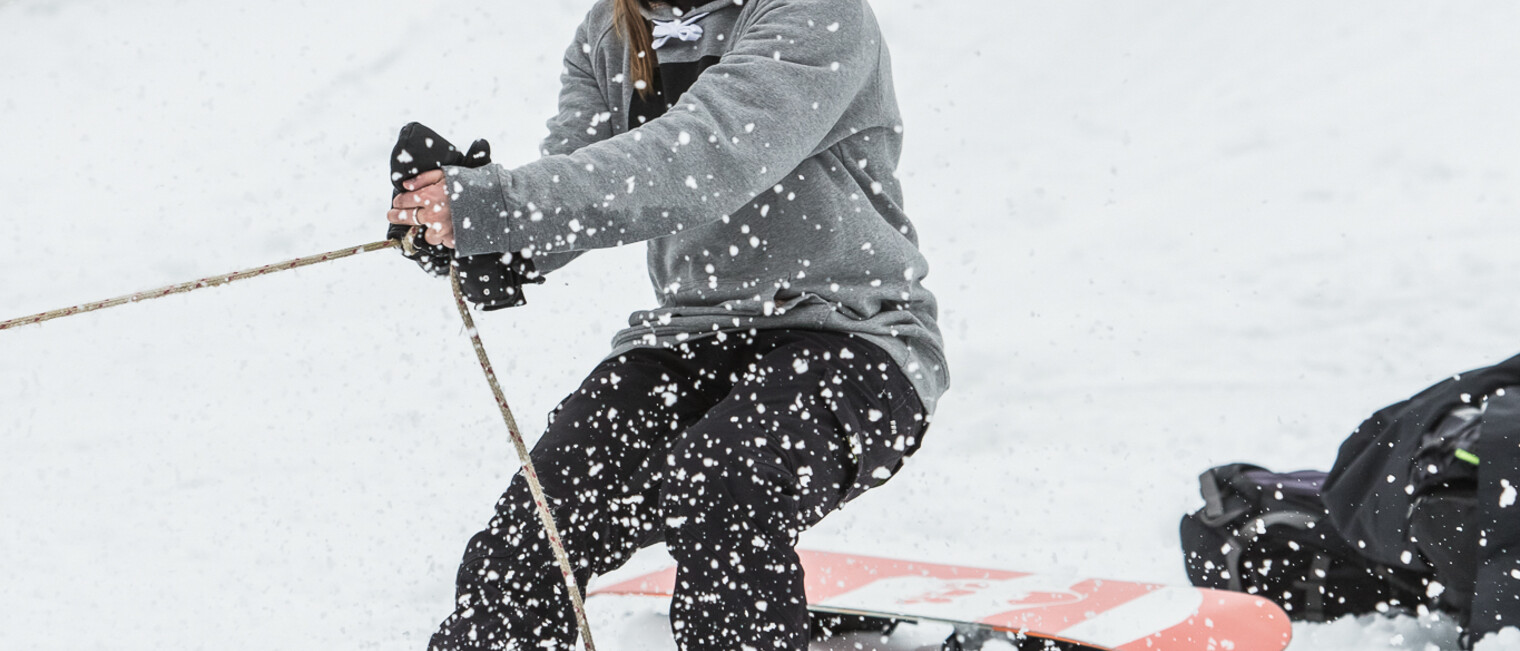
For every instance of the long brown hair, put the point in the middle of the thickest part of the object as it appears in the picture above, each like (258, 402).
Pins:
(635, 31)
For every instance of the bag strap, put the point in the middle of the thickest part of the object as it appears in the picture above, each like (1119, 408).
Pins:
(1313, 587)
(1256, 527)
(1216, 511)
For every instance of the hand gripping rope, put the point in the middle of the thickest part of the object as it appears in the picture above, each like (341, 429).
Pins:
(544, 515)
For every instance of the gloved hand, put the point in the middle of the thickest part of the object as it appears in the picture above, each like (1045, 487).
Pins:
(420, 149)
(490, 281)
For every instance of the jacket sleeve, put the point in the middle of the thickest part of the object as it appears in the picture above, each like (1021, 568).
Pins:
(774, 100)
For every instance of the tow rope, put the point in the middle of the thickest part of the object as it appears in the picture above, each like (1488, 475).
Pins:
(184, 288)
(544, 514)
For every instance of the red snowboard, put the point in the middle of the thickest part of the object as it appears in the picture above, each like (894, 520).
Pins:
(1077, 612)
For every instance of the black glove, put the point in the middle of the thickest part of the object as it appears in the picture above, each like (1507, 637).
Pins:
(490, 281)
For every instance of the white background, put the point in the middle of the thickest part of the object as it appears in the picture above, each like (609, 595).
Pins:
(1164, 237)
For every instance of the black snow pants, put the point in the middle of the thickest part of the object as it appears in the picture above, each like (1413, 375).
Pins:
(724, 449)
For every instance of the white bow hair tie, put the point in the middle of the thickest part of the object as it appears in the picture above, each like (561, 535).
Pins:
(684, 30)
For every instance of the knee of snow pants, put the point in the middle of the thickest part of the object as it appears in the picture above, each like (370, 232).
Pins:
(509, 585)
(732, 511)
(808, 425)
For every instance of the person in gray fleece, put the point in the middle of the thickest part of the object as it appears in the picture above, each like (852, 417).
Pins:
(793, 360)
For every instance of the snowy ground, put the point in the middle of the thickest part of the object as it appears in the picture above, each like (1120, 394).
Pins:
(1165, 235)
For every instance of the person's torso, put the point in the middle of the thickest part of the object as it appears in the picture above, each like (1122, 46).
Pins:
(829, 247)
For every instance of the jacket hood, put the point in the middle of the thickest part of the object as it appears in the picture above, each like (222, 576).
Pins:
(657, 10)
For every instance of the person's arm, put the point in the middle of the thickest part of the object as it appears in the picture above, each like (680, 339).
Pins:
(771, 102)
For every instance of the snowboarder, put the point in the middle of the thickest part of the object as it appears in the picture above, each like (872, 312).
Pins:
(794, 358)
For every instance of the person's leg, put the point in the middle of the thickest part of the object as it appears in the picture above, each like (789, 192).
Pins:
(510, 590)
(813, 419)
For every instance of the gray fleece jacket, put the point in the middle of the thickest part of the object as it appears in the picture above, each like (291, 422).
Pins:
(767, 195)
